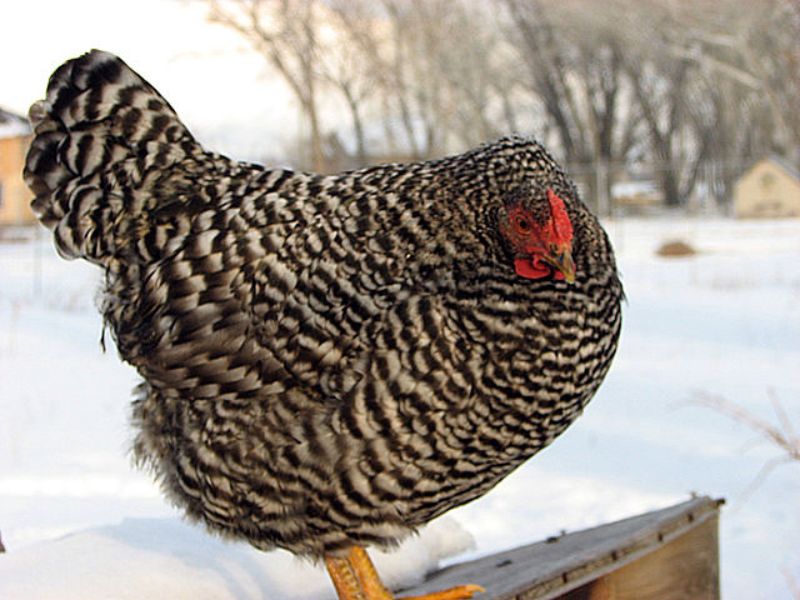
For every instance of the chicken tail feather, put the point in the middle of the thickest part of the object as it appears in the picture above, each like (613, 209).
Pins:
(102, 138)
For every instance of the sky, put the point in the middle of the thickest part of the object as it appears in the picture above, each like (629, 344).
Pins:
(224, 92)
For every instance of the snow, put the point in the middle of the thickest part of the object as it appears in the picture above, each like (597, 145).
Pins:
(634, 188)
(12, 125)
(724, 322)
(167, 558)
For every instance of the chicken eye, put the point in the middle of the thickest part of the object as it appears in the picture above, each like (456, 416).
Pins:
(522, 224)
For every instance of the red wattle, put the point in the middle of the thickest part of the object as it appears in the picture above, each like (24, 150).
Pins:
(531, 268)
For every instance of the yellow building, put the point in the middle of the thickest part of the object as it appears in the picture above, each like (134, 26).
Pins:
(15, 197)
(769, 189)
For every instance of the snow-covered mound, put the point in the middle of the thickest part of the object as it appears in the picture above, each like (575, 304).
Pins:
(167, 558)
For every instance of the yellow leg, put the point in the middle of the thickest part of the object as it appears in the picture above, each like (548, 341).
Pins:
(367, 575)
(355, 578)
(344, 579)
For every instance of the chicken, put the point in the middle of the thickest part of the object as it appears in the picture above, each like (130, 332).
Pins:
(328, 362)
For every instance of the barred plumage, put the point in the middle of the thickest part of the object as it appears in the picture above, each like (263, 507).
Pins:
(327, 360)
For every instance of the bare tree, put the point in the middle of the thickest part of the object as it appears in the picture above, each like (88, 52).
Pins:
(670, 96)
(477, 76)
(286, 33)
(693, 89)
(431, 68)
(756, 49)
(573, 61)
(735, 64)
(340, 68)
(412, 81)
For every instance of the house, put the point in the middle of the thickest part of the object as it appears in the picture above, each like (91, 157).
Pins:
(15, 135)
(769, 189)
(672, 553)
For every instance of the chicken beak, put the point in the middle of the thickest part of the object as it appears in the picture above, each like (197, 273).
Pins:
(561, 260)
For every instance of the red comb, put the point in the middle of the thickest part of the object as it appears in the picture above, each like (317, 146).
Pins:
(562, 226)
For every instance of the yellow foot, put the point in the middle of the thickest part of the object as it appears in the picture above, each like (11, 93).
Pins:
(461, 592)
(355, 578)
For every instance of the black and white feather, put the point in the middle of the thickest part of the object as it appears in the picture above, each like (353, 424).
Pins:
(327, 360)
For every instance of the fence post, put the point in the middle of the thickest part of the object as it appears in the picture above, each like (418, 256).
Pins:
(601, 183)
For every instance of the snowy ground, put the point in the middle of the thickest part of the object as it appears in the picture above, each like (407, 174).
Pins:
(78, 522)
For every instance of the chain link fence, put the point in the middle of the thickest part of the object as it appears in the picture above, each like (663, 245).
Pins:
(649, 188)
(613, 190)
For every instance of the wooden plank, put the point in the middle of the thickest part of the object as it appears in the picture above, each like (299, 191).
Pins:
(687, 568)
(550, 569)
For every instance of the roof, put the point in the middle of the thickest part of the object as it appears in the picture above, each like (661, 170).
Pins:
(778, 160)
(13, 125)
(785, 165)
(553, 567)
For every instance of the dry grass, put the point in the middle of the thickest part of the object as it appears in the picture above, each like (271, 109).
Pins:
(675, 249)
(781, 434)
(794, 587)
